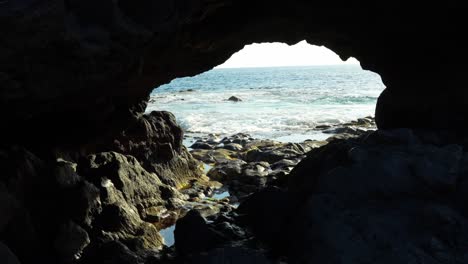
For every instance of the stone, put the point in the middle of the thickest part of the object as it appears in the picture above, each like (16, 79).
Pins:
(111, 252)
(201, 145)
(226, 170)
(234, 99)
(266, 213)
(284, 163)
(70, 242)
(233, 146)
(193, 235)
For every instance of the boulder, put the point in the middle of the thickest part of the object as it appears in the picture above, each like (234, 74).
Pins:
(234, 99)
(193, 235)
(201, 145)
(226, 171)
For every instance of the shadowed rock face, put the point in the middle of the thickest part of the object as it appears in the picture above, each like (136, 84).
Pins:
(72, 70)
(75, 77)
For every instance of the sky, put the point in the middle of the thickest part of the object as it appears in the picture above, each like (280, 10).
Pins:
(280, 54)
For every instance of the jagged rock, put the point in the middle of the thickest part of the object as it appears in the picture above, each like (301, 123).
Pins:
(117, 174)
(155, 140)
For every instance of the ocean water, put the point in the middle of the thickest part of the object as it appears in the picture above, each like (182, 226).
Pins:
(282, 103)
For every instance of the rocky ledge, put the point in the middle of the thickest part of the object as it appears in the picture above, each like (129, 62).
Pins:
(361, 196)
(97, 202)
(387, 196)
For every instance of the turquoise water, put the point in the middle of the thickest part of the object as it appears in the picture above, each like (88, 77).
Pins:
(277, 103)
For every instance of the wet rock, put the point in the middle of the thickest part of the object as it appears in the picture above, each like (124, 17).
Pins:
(233, 147)
(270, 155)
(192, 234)
(234, 99)
(284, 163)
(201, 145)
(225, 171)
(154, 213)
(256, 169)
(214, 156)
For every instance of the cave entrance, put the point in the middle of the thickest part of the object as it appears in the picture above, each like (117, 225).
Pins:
(285, 93)
(255, 116)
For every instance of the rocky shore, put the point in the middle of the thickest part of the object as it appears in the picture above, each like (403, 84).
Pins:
(385, 196)
(360, 196)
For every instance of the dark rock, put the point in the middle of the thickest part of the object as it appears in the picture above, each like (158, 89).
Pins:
(70, 242)
(270, 156)
(232, 255)
(234, 99)
(192, 234)
(384, 197)
(256, 169)
(233, 146)
(218, 155)
(225, 171)
(155, 140)
(284, 163)
(266, 213)
(111, 252)
(201, 145)
(6, 256)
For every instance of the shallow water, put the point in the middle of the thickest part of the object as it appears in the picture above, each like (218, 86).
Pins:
(282, 103)
(168, 235)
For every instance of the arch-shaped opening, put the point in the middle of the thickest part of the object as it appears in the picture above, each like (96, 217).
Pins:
(271, 98)
(287, 92)
(86, 176)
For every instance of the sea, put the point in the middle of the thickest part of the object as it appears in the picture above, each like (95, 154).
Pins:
(279, 103)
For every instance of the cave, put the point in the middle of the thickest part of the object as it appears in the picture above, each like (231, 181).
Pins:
(85, 173)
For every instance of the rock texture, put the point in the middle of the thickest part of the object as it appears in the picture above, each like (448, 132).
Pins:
(77, 69)
(87, 203)
(82, 167)
(389, 197)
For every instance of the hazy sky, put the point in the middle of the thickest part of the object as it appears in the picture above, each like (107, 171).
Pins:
(280, 54)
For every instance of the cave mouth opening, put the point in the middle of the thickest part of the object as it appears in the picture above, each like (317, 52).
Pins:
(272, 91)
(300, 96)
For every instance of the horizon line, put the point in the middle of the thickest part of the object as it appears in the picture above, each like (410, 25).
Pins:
(310, 65)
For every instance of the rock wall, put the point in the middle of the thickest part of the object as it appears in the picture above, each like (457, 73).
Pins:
(74, 69)
(391, 196)
(89, 202)
(75, 78)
